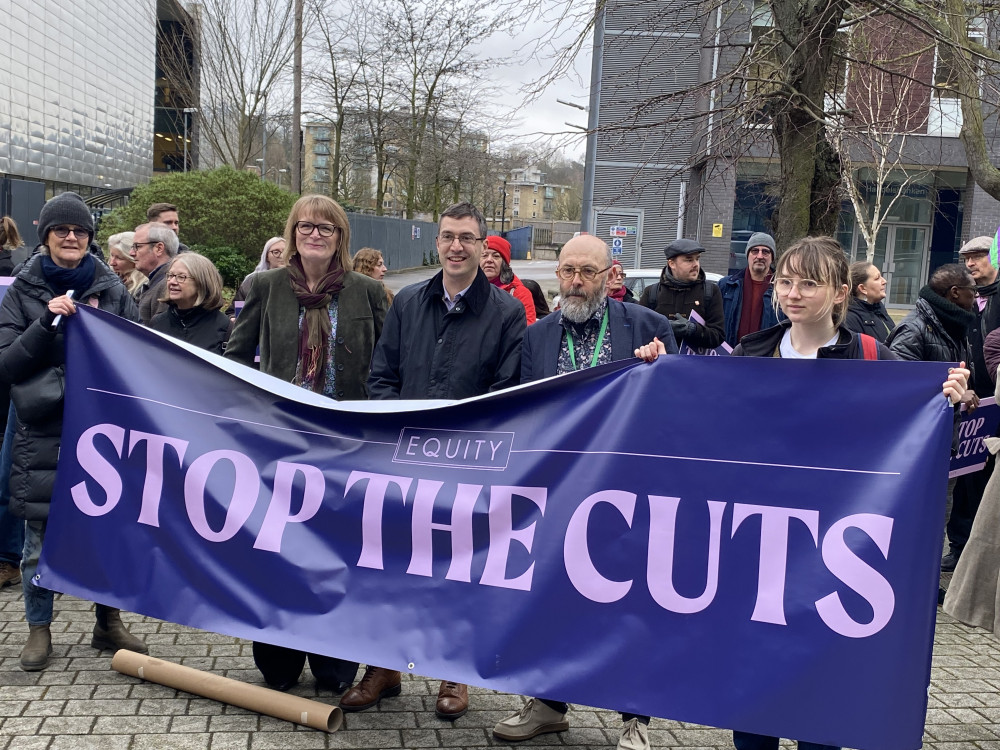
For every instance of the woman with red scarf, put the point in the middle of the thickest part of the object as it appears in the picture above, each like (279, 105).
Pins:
(316, 325)
(495, 262)
(615, 285)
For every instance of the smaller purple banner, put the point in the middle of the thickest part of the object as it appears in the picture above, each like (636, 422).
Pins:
(976, 425)
(723, 350)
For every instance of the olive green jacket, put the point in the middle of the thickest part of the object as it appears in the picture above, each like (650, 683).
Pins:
(270, 320)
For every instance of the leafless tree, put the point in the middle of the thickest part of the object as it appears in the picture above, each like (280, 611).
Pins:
(244, 47)
(436, 46)
(882, 103)
(764, 91)
(334, 72)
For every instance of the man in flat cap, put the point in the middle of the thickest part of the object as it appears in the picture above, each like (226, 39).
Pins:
(683, 289)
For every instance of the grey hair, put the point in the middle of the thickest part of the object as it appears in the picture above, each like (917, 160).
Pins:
(159, 232)
(122, 242)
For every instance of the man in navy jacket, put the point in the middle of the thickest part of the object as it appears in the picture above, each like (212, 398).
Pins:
(565, 341)
(751, 285)
(589, 329)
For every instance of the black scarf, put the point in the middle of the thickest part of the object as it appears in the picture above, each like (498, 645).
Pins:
(955, 320)
(672, 281)
(61, 280)
(988, 290)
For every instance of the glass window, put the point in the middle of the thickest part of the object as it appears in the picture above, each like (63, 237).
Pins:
(944, 61)
(766, 66)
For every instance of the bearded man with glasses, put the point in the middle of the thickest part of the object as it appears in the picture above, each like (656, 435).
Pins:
(747, 304)
(451, 337)
(589, 329)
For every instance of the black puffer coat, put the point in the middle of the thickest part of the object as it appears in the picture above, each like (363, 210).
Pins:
(207, 329)
(869, 317)
(26, 348)
(921, 336)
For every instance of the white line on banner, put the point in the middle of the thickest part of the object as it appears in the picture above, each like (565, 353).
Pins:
(714, 461)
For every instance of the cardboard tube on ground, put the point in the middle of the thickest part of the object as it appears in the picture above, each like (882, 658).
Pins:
(251, 697)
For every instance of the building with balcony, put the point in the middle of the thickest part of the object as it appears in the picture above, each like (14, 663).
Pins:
(531, 196)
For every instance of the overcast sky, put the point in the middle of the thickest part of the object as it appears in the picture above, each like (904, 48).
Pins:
(543, 118)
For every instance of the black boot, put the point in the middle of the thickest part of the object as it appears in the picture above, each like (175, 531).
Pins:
(950, 561)
(110, 632)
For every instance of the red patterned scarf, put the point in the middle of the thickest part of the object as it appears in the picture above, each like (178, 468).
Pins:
(314, 337)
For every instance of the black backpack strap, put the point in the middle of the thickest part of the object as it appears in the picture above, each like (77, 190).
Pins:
(651, 302)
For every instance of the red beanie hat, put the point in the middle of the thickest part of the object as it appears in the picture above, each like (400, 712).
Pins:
(498, 243)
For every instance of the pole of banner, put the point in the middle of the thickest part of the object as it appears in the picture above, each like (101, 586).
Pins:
(292, 708)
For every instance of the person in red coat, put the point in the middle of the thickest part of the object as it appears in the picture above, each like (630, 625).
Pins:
(495, 262)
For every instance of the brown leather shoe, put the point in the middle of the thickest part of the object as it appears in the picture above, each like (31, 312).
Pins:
(10, 574)
(453, 700)
(377, 683)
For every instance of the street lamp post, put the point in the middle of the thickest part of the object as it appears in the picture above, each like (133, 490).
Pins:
(263, 162)
(503, 205)
(187, 111)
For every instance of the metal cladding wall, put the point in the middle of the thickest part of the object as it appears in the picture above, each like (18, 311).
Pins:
(402, 242)
(651, 50)
(520, 242)
(647, 199)
(76, 91)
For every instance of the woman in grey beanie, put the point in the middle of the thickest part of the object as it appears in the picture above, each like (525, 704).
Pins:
(32, 362)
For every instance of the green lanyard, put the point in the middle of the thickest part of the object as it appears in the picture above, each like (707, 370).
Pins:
(597, 348)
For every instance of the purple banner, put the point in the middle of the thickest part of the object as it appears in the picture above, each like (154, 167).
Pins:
(655, 538)
(981, 423)
(723, 350)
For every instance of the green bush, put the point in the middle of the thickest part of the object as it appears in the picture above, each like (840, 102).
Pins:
(233, 265)
(219, 208)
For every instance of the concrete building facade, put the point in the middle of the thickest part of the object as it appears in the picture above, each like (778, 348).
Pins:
(658, 158)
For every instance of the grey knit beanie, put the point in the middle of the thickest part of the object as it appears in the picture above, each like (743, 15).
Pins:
(761, 238)
(65, 208)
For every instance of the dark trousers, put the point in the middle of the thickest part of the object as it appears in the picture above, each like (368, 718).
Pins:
(11, 529)
(282, 666)
(965, 499)
(747, 741)
(564, 707)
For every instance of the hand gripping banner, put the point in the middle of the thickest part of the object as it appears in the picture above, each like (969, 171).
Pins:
(743, 543)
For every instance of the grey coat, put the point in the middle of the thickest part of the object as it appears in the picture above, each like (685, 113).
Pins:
(974, 594)
(270, 320)
(148, 295)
